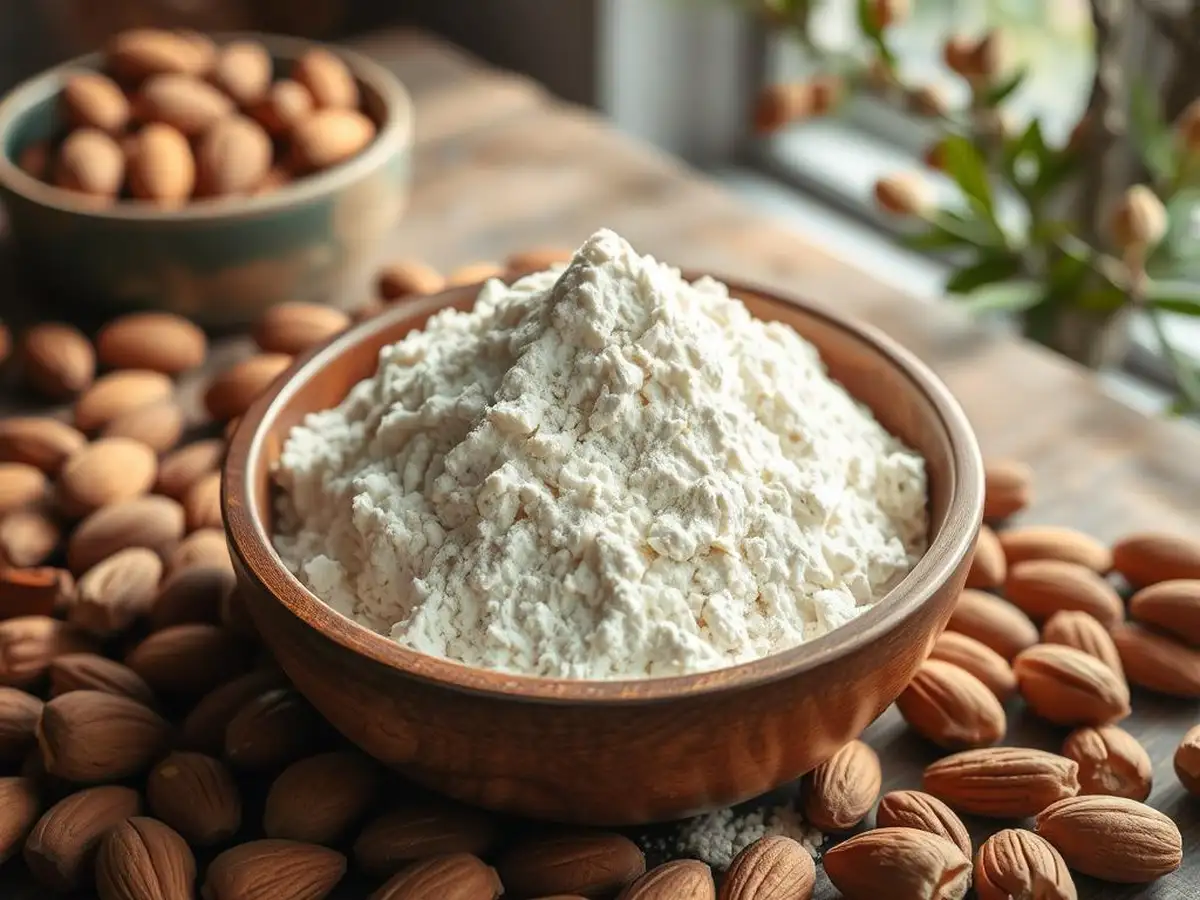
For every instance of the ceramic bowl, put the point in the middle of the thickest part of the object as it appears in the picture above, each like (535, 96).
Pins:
(610, 752)
(219, 262)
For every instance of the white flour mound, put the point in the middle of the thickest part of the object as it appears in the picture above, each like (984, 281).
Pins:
(601, 472)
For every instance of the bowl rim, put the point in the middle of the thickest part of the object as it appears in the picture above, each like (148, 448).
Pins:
(949, 547)
(397, 129)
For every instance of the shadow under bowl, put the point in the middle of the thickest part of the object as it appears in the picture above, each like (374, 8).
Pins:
(609, 752)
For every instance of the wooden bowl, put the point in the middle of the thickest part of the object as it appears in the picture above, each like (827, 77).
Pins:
(219, 262)
(609, 752)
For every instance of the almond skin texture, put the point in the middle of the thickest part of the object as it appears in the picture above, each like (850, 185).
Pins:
(899, 863)
(158, 341)
(1111, 762)
(243, 71)
(233, 157)
(1002, 782)
(271, 730)
(1015, 864)
(1150, 557)
(916, 809)
(19, 809)
(952, 708)
(188, 659)
(185, 103)
(62, 846)
(1113, 838)
(155, 523)
(292, 328)
(319, 798)
(285, 103)
(1081, 631)
(202, 503)
(1067, 687)
(195, 795)
(143, 859)
(988, 565)
(329, 137)
(774, 866)
(1042, 587)
(1157, 662)
(1008, 488)
(92, 736)
(162, 169)
(1187, 761)
(592, 864)
(19, 715)
(458, 876)
(204, 727)
(192, 595)
(231, 393)
(35, 592)
(1054, 542)
(993, 622)
(92, 100)
(421, 830)
(38, 441)
(108, 470)
(270, 869)
(28, 644)
(28, 537)
(840, 792)
(92, 672)
(20, 486)
(117, 591)
(682, 878)
(327, 79)
(140, 52)
(117, 393)
(1172, 606)
(202, 547)
(407, 278)
(59, 361)
(184, 467)
(92, 163)
(979, 659)
(159, 426)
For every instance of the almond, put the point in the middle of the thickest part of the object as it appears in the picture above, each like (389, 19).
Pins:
(62, 846)
(1150, 557)
(317, 799)
(183, 102)
(1053, 542)
(272, 729)
(202, 547)
(1172, 606)
(687, 878)
(204, 727)
(191, 595)
(184, 467)
(276, 178)
(1015, 864)
(188, 659)
(202, 503)
(19, 809)
(1187, 761)
(993, 622)
(458, 876)
(92, 100)
(988, 565)
(1111, 762)
(38, 441)
(593, 864)
(116, 591)
(474, 273)
(155, 523)
(285, 103)
(19, 716)
(840, 792)
(34, 161)
(979, 659)
(951, 707)
(407, 278)
(327, 78)
(90, 736)
(1158, 662)
(20, 486)
(91, 672)
(329, 137)
(421, 830)
(1002, 782)
(203, 49)
(195, 795)
(266, 869)
(143, 859)
(157, 341)
(92, 163)
(537, 259)
(119, 392)
(1008, 488)
(233, 157)
(28, 537)
(916, 809)
(28, 644)
(1081, 631)
(1067, 687)
(774, 866)
(1112, 838)
(140, 52)
(159, 426)
(243, 71)
(232, 392)
(292, 328)
(161, 168)
(1042, 587)
(235, 615)
(108, 470)
(900, 864)
(59, 361)
(35, 592)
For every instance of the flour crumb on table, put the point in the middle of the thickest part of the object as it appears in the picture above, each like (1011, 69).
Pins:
(602, 471)
(716, 838)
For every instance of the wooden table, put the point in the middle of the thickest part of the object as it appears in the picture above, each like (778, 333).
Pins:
(501, 166)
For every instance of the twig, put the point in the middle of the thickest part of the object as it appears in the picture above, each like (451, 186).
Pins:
(1170, 28)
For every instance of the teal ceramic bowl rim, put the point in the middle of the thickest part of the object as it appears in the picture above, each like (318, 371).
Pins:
(395, 130)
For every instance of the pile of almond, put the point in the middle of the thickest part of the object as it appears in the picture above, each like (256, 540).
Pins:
(175, 118)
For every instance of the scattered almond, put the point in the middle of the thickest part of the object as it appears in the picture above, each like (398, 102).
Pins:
(1111, 762)
(459, 876)
(1112, 838)
(59, 361)
(977, 658)
(988, 565)
(181, 469)
(993, 622)
(1015, 863)
(590, 863)
(1157, 662)
(420, 830)
(1002, 782)
(202, 503)
(474, 273)
(35, 592)
(19, 809)
(196, 795)
(900, 864)
(537, 259)
(317, 799)
(1187, 761)
(155, 523)
(1172, 606)
(774, 866)
(203, 547)
(1068, 687)
(1054, 542)
(92, 100)
(948, 705)
(38, 441)
(20, 486)
(840, 792)
(271, 730)
(28, 537)
(407, 278)
(91, 736)
(329, 137)
(108, 470)
(327, 79)
(230, 394)
(28, 644)
(61, 848)
(204, 727)
(243, 71)
(19, 716)
(687, 878)
(1081, 631)
(188, 659)
(115, 592)
(156, 341)
(141, 859)
(1150, 557)
(91, 163)
(1042, 587)
(264, 869)
(925, 812)
(1008, 488)
(183, 102)
(233, 157)
(191, 595)
(92, 672)
(161, 170)
(292, 328)
(119, 392)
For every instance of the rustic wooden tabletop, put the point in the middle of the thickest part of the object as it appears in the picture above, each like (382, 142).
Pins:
(501, 166)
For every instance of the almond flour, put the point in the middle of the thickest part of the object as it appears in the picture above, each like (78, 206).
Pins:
(602, 471)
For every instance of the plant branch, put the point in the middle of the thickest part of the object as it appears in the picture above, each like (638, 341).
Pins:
(1169, 27)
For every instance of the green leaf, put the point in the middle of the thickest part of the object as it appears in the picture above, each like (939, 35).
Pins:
(1150, 134)
(965, 165)
(1183, 225)
(934, 239)
(1007, 296)
(866, 21)
(1174, 296)
(988, 269)
(1182, 305)
(998, 93)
